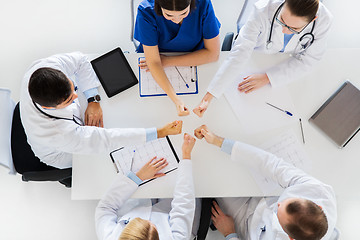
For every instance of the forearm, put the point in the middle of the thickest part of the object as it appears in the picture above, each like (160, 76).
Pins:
(270, 166)
(158, 73)
(196, 58)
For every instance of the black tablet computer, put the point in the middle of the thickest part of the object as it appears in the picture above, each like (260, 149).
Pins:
(114, 72)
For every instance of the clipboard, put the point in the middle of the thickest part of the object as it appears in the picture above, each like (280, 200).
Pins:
(132, 158)
(179, 77)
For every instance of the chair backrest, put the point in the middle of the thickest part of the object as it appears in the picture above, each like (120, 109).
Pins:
(246, 10)
(23, 157)
(133, 9)
(6, 109)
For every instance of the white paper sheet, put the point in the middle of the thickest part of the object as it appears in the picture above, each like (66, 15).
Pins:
(149, 87)
(252, 111)
(137, 156)
(287, 147)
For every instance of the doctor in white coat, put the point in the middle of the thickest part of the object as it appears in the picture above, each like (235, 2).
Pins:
(118, 217)
(296, 27)
(306, 209)
(51, 114)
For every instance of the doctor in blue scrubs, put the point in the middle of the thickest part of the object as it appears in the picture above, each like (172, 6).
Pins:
(176, 26)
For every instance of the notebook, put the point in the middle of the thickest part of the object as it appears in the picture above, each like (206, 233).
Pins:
(183, 79)
(133, 158)
(339, 116)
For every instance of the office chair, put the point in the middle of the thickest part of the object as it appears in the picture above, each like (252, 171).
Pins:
(6, 108)
(133, 9)
(25, 161)
(243, 16)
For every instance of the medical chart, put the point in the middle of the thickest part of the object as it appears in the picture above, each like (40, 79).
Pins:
(182, 79)
(287, 147)
(133, 158)
(254, 114)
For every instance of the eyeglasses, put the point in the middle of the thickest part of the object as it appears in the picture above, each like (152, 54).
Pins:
(291, 29)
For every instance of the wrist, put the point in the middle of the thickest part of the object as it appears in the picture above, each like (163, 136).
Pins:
(218, 141)
(161, 133)
(139, 175)
(208, 97)
(187, 156)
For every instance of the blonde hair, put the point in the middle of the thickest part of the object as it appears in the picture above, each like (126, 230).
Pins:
(139, 229)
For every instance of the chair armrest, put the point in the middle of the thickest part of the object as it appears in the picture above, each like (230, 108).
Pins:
(227, 43)
(49, 175)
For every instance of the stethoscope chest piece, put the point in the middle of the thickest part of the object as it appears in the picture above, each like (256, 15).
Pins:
(269, 45)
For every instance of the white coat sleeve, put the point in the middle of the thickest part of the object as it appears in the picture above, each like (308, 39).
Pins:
(294, 68)
(239, 54)
(183, 205)
(90, 140)
(268, 165)
(76, 64)
(106, 211)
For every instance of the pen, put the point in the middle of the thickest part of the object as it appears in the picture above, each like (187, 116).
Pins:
(132, 160)
(181, 77)
(288, 113)
(302, 131)
(193, 77)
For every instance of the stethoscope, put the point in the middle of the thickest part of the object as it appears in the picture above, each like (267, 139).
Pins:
(80, 123)
(304, 42)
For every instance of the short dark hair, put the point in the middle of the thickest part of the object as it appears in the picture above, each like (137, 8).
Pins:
(173, 5)
(303, 8)
(49, 87)
(309, 221)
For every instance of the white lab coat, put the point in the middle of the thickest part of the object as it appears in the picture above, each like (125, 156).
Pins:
(53, 140)
(254, 35)
(172, 218)
(252, 214)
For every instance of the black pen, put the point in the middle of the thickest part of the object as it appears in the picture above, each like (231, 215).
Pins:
(302, 131)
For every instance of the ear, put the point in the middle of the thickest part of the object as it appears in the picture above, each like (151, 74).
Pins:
(291, 238)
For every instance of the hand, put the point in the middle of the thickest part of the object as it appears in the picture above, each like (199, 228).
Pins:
(142, 64)
(181, 109)
(189, 142)
(204, 132)
(253, 82)
(94, 115)
(202, 107)
(223, 223)
(151, 168)
(173, 128)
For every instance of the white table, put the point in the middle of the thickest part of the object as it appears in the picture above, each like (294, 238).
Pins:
(214, 174)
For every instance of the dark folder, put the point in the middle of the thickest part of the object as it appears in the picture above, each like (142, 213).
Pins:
(339, 116)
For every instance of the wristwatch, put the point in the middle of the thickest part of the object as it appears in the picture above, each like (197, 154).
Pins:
(96, 98)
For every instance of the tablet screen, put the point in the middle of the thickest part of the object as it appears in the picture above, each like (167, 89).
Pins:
(114, 72)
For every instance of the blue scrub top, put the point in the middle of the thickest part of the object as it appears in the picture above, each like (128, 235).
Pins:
(152, 29)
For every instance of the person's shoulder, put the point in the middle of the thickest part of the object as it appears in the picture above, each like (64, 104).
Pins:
(146, 5)
(267, 7)
(201, 5)
(146, 9)
(324, 15)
